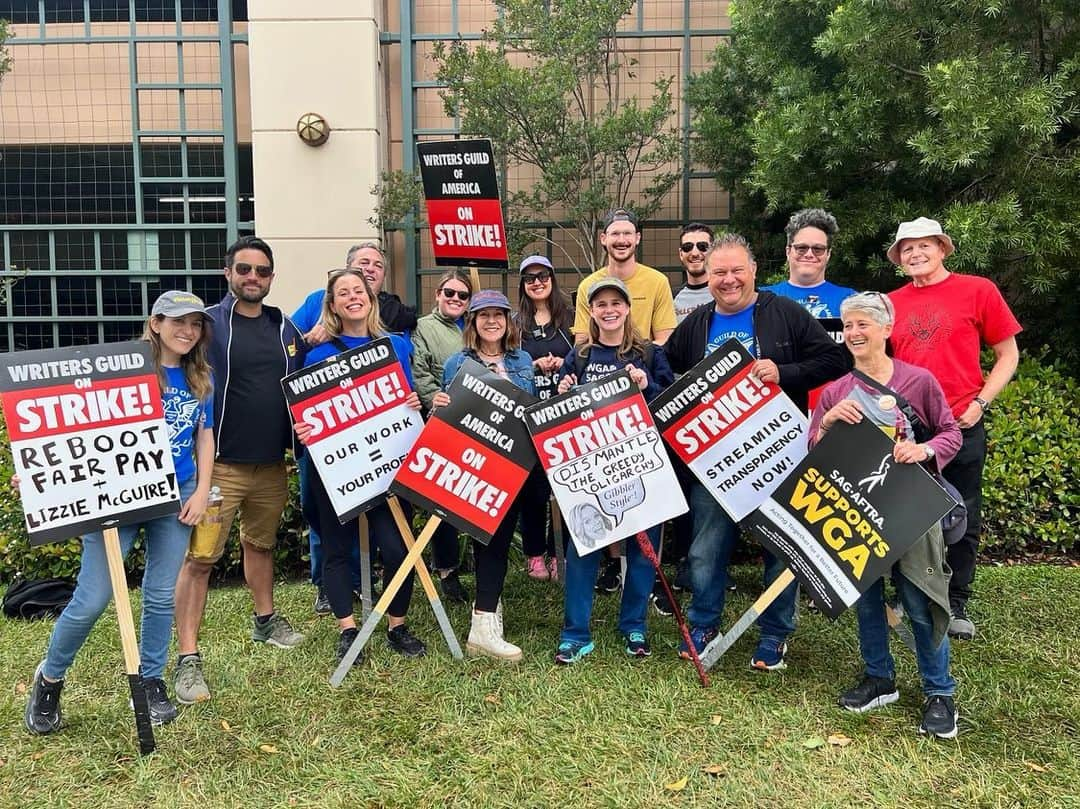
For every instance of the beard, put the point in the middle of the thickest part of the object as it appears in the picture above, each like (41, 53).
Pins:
(248, 295)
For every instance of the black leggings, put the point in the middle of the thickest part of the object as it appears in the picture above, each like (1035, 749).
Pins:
(337, 542)
(537, 535)
(491, 561)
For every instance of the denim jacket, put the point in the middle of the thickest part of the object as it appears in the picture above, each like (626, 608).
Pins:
(518, 364)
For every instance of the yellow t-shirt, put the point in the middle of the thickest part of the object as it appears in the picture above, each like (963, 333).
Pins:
(652, 307)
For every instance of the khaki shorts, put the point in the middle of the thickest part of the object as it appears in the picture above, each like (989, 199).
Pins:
(259, 492)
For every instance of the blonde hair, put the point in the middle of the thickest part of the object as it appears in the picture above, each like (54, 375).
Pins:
(330, 319)
(194, 364)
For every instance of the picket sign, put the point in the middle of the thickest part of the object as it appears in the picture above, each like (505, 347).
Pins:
(722, 643)
(130, 645)
(365, 567)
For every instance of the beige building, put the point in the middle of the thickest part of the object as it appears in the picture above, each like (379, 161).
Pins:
(135, 144)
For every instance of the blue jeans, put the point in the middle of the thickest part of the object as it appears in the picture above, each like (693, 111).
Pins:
(874, 636)
(581, 578)
(308, 508)
(166, 546)
(715, 537)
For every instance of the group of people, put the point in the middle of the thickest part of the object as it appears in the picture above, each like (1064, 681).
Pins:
(920, 342)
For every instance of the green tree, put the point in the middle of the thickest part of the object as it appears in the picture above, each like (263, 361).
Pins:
(882, 110)
(5, 60)
(547, 84)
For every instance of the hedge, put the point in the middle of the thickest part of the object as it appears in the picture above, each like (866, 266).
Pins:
(1030, 490)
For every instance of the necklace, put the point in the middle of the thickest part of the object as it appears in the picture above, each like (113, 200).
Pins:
(483, 353)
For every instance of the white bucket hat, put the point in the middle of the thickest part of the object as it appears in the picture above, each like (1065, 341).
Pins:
(916, 229)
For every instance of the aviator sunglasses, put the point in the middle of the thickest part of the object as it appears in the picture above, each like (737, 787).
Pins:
(263, 270)
(686, 247)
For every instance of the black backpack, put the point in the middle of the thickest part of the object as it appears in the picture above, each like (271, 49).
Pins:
(39, 598)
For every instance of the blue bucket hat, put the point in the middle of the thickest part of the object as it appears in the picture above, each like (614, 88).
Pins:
(487, 299)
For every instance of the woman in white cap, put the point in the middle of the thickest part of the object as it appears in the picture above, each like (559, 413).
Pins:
(492, 339)
(942, 321)
(613, 345)
(544, 317)
(897, 396)
(178, 331)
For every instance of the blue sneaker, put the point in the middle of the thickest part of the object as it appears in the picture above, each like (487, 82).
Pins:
(700, 636)
(637, 645)
(570, 653)
(769, 656)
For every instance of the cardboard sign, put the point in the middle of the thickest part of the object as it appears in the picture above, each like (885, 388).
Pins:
(739, 436)
(473, 455)
(464, 212)
(847, 513)
(88, 438)
(604, 458)
(362, 428)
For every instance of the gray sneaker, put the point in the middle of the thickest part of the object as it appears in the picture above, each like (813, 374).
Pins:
(189, 685)
(960, 626)
(277, 632)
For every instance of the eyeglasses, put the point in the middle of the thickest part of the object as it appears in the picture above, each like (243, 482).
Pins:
(263, 270)
(817, 249)
(461, 294)
(541, 277)
(686, 247)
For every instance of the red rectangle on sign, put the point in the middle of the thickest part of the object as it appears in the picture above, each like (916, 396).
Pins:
(464, 230)
(337, 409)
(730, 406)
(461, 475)
(64, 409)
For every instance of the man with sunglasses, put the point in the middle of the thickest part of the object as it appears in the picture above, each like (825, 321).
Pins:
(694, 241)
(253, 347)
(809, 235)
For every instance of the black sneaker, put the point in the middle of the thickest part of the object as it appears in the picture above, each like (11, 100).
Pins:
(610, 578)
(960, 626)
(870, 693)
(43, 708)
(452, 589)
(660, 601)
(682, 577)
(322, 603)
(939, 717)
(404, 642)
(162, 711)
(345, 642)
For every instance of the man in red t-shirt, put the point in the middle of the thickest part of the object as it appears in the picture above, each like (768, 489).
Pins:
(942, 321)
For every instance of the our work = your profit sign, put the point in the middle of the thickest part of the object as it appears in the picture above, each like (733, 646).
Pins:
(739, 436)
(462, 193)
(473, 455)
(361, 426)
(88, 436)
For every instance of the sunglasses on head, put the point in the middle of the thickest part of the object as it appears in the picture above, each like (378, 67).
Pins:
(817, 249)
(686, 247)
(536, 277)
(243, 268)
(461, 294)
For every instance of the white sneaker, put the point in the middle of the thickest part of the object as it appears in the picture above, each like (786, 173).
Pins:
(486, 638)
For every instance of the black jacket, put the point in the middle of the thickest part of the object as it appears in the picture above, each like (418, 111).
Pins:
(784, 332)
(395, 315)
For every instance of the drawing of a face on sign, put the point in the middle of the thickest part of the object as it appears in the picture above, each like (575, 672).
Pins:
(589, 525)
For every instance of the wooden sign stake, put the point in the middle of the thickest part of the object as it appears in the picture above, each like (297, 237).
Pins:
(722, 643)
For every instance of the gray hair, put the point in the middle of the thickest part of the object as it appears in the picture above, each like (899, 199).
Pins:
(356, 248)
(811, 218)
(730, 240)
(875, 304)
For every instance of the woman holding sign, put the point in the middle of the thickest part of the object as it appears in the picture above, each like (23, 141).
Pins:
(613, 345)
(178, 332)
(351, 319)
(437, 337)
(907, 402)
(492, 339)
(544, 317)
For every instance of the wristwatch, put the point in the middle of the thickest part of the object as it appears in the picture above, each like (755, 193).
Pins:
(929, 452)
(981, 402)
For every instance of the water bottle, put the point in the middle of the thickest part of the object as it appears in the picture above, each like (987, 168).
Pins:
(205, 537)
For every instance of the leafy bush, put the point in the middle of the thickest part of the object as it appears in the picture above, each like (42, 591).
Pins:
(1030, 484)
(62, 558)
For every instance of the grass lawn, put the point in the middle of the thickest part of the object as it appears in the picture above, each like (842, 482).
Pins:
(607, 732)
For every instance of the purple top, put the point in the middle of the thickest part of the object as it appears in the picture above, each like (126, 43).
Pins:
(922, 391)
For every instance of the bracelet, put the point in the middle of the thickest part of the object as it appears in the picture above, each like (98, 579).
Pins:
(982, 403)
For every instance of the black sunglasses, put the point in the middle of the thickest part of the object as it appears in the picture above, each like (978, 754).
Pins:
(817, 249)
(263, 270)
(686, 247)
(536, 277)
(462, 295)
